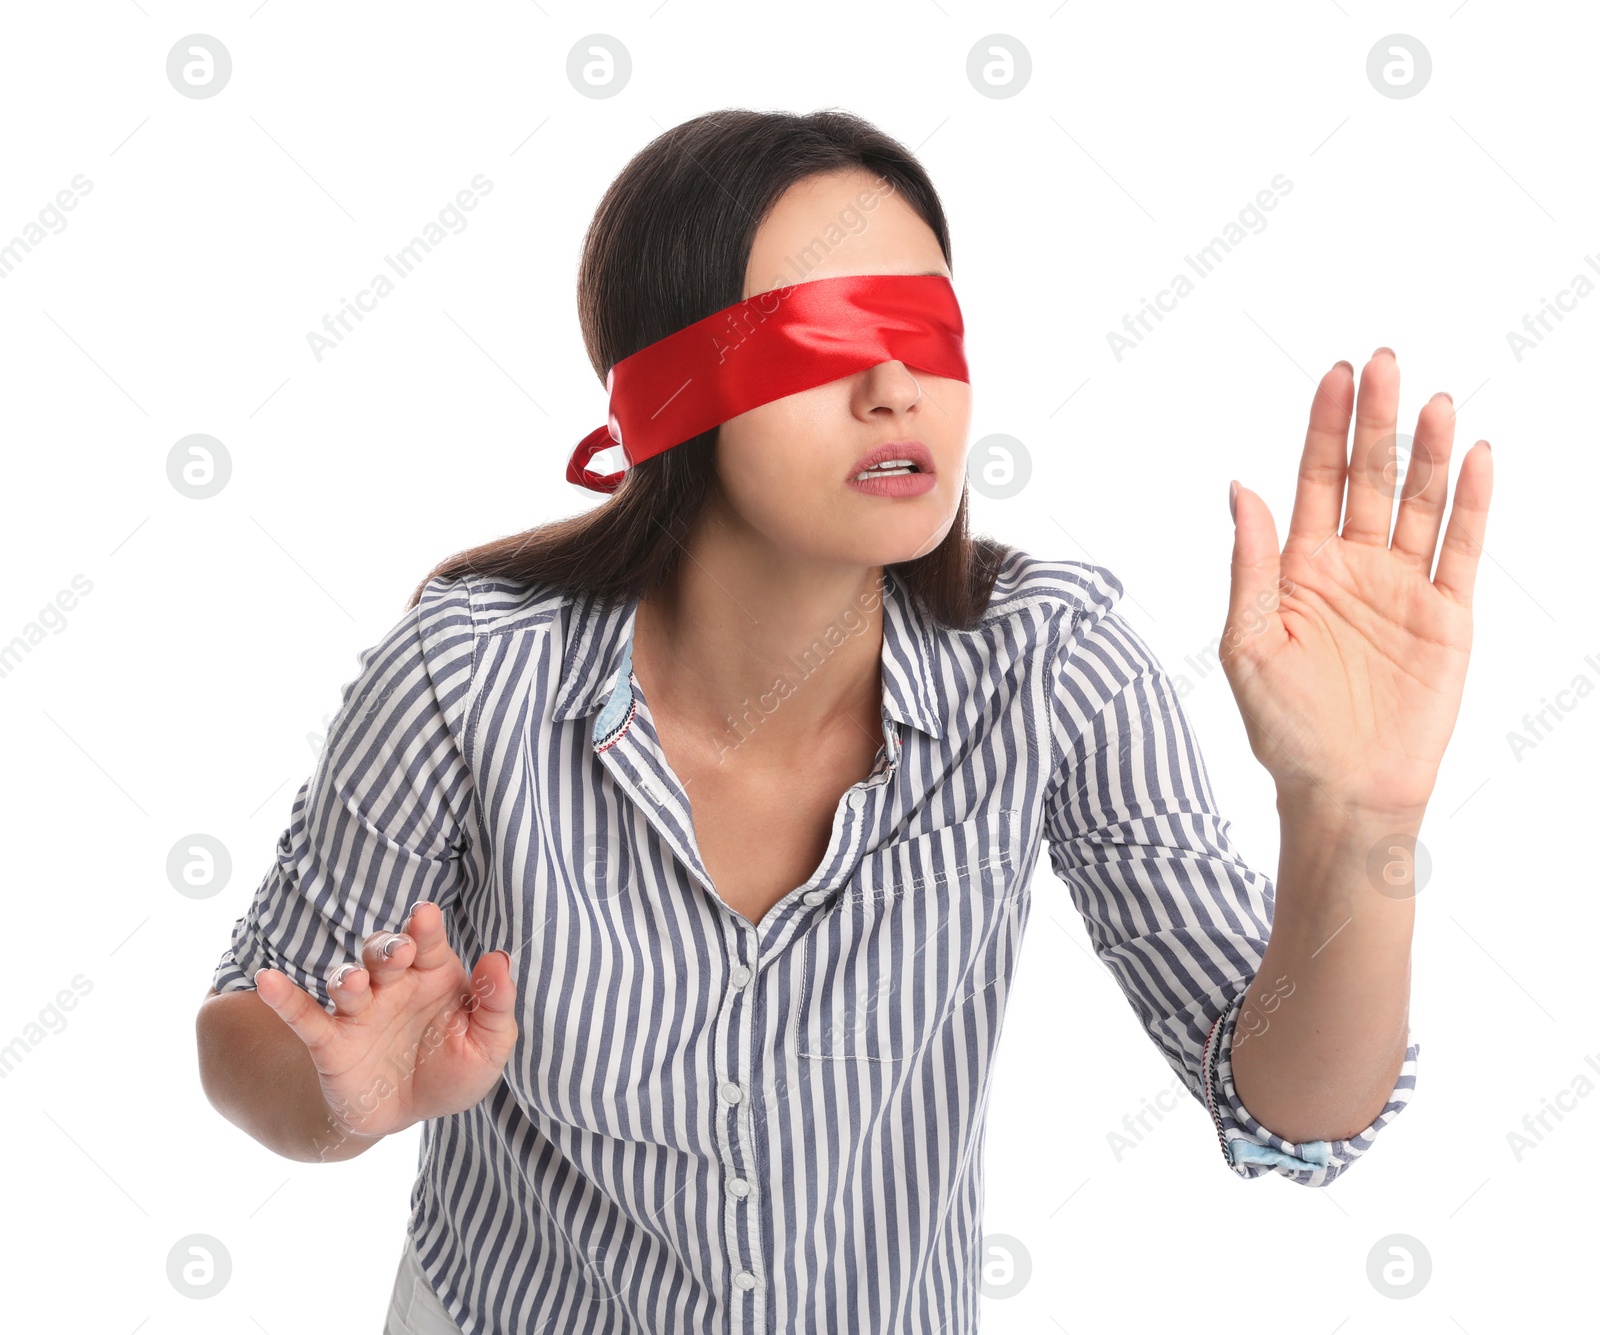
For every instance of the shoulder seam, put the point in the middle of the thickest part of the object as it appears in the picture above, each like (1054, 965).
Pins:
(472, 612)
(1068, 593)
(1058, 754)
(474, 687)
(539, 622)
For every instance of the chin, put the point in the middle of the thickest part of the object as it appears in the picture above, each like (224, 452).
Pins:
(905, 542)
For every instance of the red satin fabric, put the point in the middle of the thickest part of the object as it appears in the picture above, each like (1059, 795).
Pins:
(768, 346)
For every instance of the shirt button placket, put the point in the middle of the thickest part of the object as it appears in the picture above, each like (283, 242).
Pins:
(744, 1232)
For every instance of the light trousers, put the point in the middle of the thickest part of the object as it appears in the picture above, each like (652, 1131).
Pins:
(414, 1308)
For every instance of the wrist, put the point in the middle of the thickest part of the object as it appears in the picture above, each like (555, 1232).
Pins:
(1314, 805)
(334, 1141)
(1345, 871)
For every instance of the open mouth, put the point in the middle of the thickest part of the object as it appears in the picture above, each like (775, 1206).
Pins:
(889, 468)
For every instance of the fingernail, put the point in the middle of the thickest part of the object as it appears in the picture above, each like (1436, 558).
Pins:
(395, 941)
(415, 907)
(508, 957)
(1389, 351)
(1233, 501)
(1343, 363)
(337, 977)
(1446, 397)
(256, 976)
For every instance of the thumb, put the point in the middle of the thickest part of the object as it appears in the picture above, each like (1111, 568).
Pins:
(1254, 571)
(493, 1010)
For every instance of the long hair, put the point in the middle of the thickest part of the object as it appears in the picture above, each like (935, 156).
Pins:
(669, 245)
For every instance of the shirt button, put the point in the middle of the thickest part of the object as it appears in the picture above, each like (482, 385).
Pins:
(856, 798)
(745, 1280)
(813, 897)
(732, 1092)
(739, 1187)
(741, 976)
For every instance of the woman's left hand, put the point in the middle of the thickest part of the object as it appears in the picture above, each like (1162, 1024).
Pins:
(1346, 659)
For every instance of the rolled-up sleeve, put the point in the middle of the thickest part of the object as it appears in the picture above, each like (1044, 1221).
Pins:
(1173, 912)
(388, 814)
(1251, 1149)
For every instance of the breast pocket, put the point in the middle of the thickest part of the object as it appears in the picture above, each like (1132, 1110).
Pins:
(925, 927)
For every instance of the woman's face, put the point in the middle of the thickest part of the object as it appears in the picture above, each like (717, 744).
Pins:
(784, 467)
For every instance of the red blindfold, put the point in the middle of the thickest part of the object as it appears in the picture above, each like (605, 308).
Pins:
(768, 346)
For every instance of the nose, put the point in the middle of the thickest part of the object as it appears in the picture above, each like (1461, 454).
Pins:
(889, 385)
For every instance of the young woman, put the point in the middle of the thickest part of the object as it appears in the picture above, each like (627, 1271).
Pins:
(670, 863)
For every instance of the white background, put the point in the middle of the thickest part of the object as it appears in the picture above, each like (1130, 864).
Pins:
(187, 691)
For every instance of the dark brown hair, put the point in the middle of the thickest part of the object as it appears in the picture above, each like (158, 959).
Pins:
(669, 245)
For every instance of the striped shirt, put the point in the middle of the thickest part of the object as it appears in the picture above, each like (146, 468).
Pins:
(714, 1125)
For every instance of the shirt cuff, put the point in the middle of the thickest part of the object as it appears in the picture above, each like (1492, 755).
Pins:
(230, 975)
(249, 952)
(1251, 1150)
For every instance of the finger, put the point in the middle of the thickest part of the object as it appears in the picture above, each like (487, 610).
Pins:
(1253, 626)
(425, 926)
(1320, 490)
(350, 986)
(1369, 487)
(1416, 531)
(387, 955)
(311, 1024)
(1469, 517)
(492, 1009)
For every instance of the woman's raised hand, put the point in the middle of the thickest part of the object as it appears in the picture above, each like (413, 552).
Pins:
(1347, 651)
(412, 1036)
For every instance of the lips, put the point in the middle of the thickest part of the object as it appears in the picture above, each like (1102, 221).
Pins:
(913, 450)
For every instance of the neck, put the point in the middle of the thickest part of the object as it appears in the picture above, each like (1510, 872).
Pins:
(750, 649)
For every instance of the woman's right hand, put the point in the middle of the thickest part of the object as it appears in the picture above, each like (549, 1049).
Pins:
(412, 1036)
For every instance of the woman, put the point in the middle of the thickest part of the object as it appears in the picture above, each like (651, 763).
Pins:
(731, 790)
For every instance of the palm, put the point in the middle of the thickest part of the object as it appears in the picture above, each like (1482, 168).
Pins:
(419, 1026)
(1346, 659)
(411, 1036)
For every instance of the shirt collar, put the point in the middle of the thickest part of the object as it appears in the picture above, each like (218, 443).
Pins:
(597, 656)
